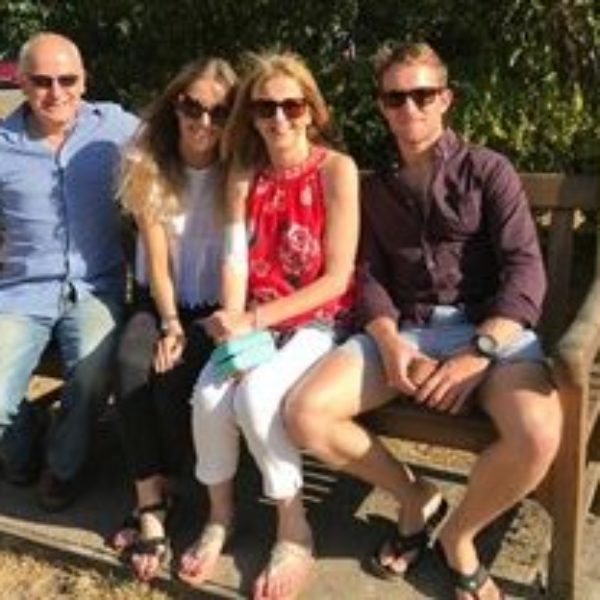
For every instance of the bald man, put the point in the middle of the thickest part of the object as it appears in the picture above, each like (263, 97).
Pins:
(61, 268)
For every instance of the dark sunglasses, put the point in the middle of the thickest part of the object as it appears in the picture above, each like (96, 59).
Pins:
(193, 109)
(421, 97)
(45, 82)
(293, 108)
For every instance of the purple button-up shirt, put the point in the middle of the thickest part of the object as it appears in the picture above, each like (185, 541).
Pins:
(468, 239)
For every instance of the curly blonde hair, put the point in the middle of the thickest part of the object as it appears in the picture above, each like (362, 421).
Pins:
(152, 171)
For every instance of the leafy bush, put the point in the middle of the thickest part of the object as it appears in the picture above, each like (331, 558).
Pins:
(524, 73)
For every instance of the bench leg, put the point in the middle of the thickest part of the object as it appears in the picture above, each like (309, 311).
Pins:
(566, 501)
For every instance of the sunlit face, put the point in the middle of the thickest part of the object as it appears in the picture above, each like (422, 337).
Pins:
(281, 113)
(53, 83)
(417, 122)
(201, 111)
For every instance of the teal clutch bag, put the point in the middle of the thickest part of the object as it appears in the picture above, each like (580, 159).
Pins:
(243, 353)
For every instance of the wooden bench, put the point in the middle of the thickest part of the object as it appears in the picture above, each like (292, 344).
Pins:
(570, 329)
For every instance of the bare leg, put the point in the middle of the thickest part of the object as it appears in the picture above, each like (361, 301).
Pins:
(199, 560)
(319, 416)
(527, 414)
(291, 562)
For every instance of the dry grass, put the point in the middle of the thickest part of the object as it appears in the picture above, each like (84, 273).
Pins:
(27, 574)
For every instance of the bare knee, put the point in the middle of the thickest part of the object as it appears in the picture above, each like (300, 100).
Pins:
(537, 438)
(306, 417)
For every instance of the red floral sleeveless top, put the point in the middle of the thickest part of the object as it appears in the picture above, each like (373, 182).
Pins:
(286, 214)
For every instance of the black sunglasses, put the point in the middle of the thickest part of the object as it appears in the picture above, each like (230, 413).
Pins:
(421, 97)
(193, 109)
(263, 108)
(45, 82)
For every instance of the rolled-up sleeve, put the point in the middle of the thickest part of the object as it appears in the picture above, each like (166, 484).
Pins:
(522, 284)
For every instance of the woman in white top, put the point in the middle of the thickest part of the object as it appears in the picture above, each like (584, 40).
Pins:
(171, 182)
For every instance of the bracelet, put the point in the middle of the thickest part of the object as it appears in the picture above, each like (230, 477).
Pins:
(167, 321)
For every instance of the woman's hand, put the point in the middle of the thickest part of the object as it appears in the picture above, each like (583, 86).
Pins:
(223, 325)
(169, 349)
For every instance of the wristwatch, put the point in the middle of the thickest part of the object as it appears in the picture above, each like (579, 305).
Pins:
(485, 345)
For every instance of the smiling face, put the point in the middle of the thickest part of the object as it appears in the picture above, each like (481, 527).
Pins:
(281, 115)
(199, 113)
(417, 121)
(53, 80)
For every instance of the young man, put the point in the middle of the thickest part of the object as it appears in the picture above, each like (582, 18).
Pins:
(61, 269)
(452, 283)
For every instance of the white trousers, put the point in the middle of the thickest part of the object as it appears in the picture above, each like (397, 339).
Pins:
(220, 408)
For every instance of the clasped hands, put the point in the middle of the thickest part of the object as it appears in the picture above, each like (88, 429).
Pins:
(220, 326)
(440, 385)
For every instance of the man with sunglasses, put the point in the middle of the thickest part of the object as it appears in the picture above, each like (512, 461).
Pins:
(61, 269)
(452, 284)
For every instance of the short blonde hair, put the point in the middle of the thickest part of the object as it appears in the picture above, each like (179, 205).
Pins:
(242, 144)
(420, 53)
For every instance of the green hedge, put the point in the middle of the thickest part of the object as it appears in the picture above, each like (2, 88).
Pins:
(525, 72)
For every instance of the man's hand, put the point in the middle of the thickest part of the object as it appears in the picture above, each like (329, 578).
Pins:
(168, 351)
(223, 325)
(399, 358)
(448, 388)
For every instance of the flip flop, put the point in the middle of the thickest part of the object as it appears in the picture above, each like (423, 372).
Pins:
(285, 551)
(399, 545)
(213, 534)
(471, 584)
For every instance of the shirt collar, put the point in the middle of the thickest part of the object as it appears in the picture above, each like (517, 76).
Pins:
(14, 127)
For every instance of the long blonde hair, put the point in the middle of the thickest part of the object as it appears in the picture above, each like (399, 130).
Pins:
(153, 172)
(241, 144)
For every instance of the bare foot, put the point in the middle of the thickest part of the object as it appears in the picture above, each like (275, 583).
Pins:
(287, 572)
(199, 560)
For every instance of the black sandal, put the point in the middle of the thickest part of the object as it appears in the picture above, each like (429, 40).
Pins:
(400, 545)
(129, 527)
(471, 584)
(155, 546)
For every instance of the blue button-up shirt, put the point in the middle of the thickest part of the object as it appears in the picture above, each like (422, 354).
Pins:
(59, 220)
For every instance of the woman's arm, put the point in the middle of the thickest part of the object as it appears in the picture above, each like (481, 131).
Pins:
(154, 239)
(229, 321)
(234, 268)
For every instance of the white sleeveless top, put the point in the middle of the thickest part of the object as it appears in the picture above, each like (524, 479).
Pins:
(195, 242)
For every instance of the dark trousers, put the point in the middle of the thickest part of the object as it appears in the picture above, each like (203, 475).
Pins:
(153, 409)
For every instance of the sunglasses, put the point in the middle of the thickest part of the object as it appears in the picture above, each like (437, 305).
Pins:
(45, 82)
(193, 109)
(293, 108)
(421, 97)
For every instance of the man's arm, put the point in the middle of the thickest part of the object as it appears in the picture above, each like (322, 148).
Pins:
(522, 283)
(376, 310)
(518, 301)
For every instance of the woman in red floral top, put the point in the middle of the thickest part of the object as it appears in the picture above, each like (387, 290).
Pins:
(291, 221)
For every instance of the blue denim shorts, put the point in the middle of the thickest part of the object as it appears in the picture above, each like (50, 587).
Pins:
(447, 331)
